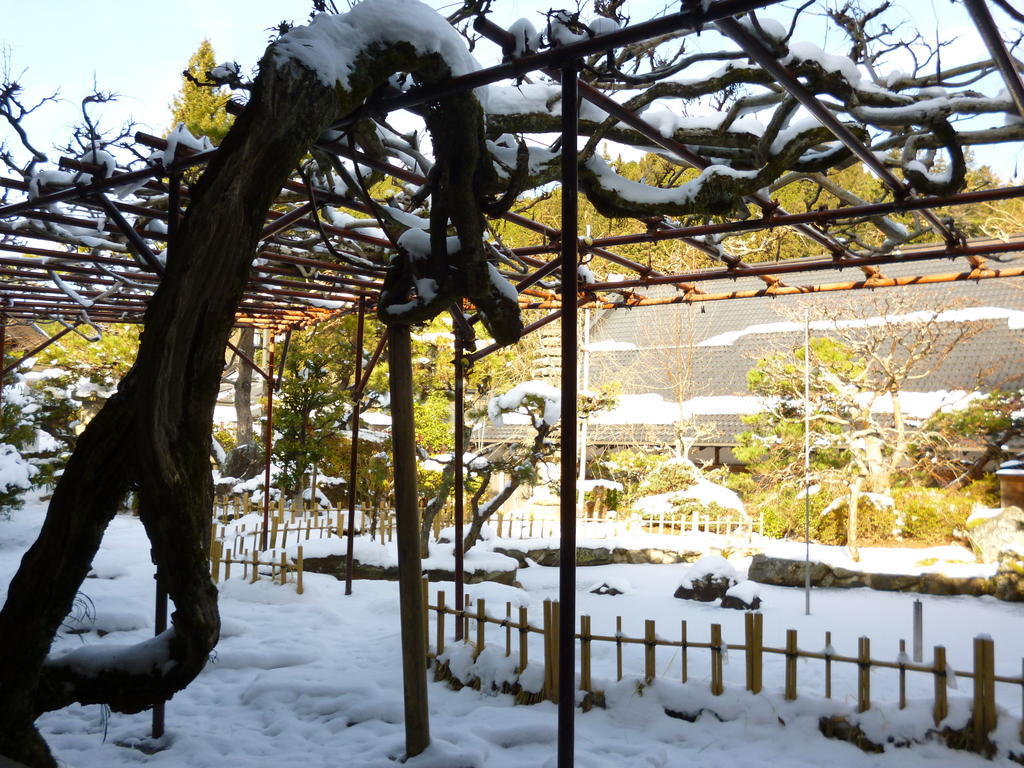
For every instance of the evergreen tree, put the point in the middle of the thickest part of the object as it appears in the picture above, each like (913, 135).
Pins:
(201, 108)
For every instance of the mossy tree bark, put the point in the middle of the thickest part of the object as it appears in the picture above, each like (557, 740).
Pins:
(154, 433)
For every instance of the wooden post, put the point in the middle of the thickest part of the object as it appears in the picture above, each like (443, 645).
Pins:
(548, 665)
(426, 613)
(863, 674)
(354, 448)
(791, 659)
(939, 666)
(754, 626)
(903, 674)
(585, 653)
(298, 573)
(508, 629)
(268, 435)
(459, 480)
(717, 686)
(555, 657)
(439, 643)
(650, 670)
(273, 533)
(619, 647)
(464, 619)
(828, 665)
(481, 626)
(255, 565)
(284, 568)
(227, 565)
(682, 651)
(215, 555)
(524, 638)
(410, 568)
(984, 708)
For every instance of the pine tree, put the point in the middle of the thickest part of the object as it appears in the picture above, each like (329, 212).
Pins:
(201, 109)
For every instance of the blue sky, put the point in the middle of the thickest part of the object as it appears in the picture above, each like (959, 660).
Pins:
(138, 49)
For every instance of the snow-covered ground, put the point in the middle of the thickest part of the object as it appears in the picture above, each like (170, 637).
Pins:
(315, 679)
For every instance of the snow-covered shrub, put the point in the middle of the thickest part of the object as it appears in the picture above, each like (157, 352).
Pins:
(876, 520)
(933, 515)
(674, 474)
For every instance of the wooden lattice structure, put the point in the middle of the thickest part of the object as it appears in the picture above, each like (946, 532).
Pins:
(87, 245)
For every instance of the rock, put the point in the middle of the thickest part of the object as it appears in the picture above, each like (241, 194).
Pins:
(744, 596)
(787, 573)
(605, 589)
(244, 462)
(1008, 583)
(707, 580)
(990, 536)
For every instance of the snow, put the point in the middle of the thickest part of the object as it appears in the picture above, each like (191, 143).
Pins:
(15, 472)
(652, 408)
(1014, 321)
(747, 591)
(715, 566)
(331, 44)
(543, 394)
(301, 679)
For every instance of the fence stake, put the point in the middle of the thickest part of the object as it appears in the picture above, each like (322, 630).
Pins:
(215, 553)
(918, 631)
(716, 660)
(828, 665)
(227, 565)
(791, 657)
(440, 622)
(555, 626)
(481, 625)
(464, 618)
(508, 629)
(941, 703)
(650, 648)
(425, 582)
(585, 653)
(547, 649)
(754, 626)
(903, 674)
(298, 573)
(863, 674)
(284, 568)
(984, 713)
(682, 649)
(618, 647)
(524, 639)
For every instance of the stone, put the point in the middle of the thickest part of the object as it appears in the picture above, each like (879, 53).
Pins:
(707, 580)
(744, 596)
(334, 565)
(989, 536)
(1008, 583)
(244, 462)
(605, 589)
(781, 572)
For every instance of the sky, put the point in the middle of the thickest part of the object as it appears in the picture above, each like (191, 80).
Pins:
(138, 49)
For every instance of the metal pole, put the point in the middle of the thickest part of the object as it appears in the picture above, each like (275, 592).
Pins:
(357, 394)
(460, 428)
(807, 462)
(567, 549)
(159, 625)
(268, 439)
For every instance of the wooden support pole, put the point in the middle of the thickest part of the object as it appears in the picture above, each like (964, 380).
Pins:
(828, 665)
(481, 626)
(717, 658)
(159, 625)
(426, 614)
(410, 569)
(354, 452)
(903, 674)
(585, 684)
(567, 486)
(939, 670)
(754, 626)
(650, 649)
(299, 589)
(791, 659)
(682, 652)
(459, 488)
(524, 638)
(508, 629)
(618, 648)
(863, 674)
(983, 715)
(268, 437)
(439, 642)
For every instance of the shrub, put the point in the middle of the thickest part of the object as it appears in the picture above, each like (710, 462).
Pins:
(876, 522)
(670, 475)
(932, 515)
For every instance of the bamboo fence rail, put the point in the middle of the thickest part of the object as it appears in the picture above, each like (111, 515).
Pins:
(982, 675)
(280, 570)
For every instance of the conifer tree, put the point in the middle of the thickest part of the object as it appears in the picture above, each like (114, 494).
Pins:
(201, 108)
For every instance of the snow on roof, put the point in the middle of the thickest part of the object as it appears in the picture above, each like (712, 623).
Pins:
(1014, 321)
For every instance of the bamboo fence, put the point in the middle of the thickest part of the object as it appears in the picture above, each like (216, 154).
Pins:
(475, 629)
(280, 570)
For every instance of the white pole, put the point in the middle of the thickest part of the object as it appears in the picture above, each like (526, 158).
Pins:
(807, 462)
(583, 423)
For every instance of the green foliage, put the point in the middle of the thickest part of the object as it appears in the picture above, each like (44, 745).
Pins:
(876, 522)
(201, 109)
(932, 515)
(102, 361)
(628, 467)
(670, 475)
